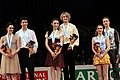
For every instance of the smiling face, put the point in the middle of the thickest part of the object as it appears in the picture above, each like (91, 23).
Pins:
(24, 23)
(55, 24)
(10, 29)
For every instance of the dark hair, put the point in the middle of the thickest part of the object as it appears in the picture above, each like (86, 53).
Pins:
(23, 18)
(9, 23)
(50, 29)
(96, 31)
(55, 19)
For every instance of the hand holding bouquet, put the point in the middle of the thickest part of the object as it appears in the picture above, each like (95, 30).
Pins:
(5, 48)
(97, 47)
(30, 45)
(56, 48)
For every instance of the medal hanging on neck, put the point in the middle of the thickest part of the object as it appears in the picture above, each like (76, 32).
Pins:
(107, 33)
(65, 29)
(54, 36)
(99, 38)
(9, 43)
(25, 37)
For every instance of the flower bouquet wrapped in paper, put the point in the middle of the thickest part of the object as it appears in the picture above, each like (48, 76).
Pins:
(97, 47)
(72, 39)
(30, 45)
(5, 48)
(56, 47)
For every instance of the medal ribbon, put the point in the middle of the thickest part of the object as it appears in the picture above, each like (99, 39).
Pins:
(9, 41)
(65, 30)
(54, 35)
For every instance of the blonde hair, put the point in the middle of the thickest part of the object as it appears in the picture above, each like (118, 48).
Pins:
(66, 14)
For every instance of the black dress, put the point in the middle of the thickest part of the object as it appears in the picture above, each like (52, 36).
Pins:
(58, 61)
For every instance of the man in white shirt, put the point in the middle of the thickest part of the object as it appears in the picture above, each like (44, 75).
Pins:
(26, 56)
(69, 30)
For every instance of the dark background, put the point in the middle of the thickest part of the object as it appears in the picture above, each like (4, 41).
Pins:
(86, 14)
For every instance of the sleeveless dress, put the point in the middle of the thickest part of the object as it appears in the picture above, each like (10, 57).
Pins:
(10, 65)
(106, 58)
(59, 60)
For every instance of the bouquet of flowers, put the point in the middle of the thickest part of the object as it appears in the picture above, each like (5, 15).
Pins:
(72, 39)
(97, 47)
(56, 47)
(5, 48)
(30, 45)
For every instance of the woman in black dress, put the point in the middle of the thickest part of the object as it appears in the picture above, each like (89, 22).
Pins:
(54, 43)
